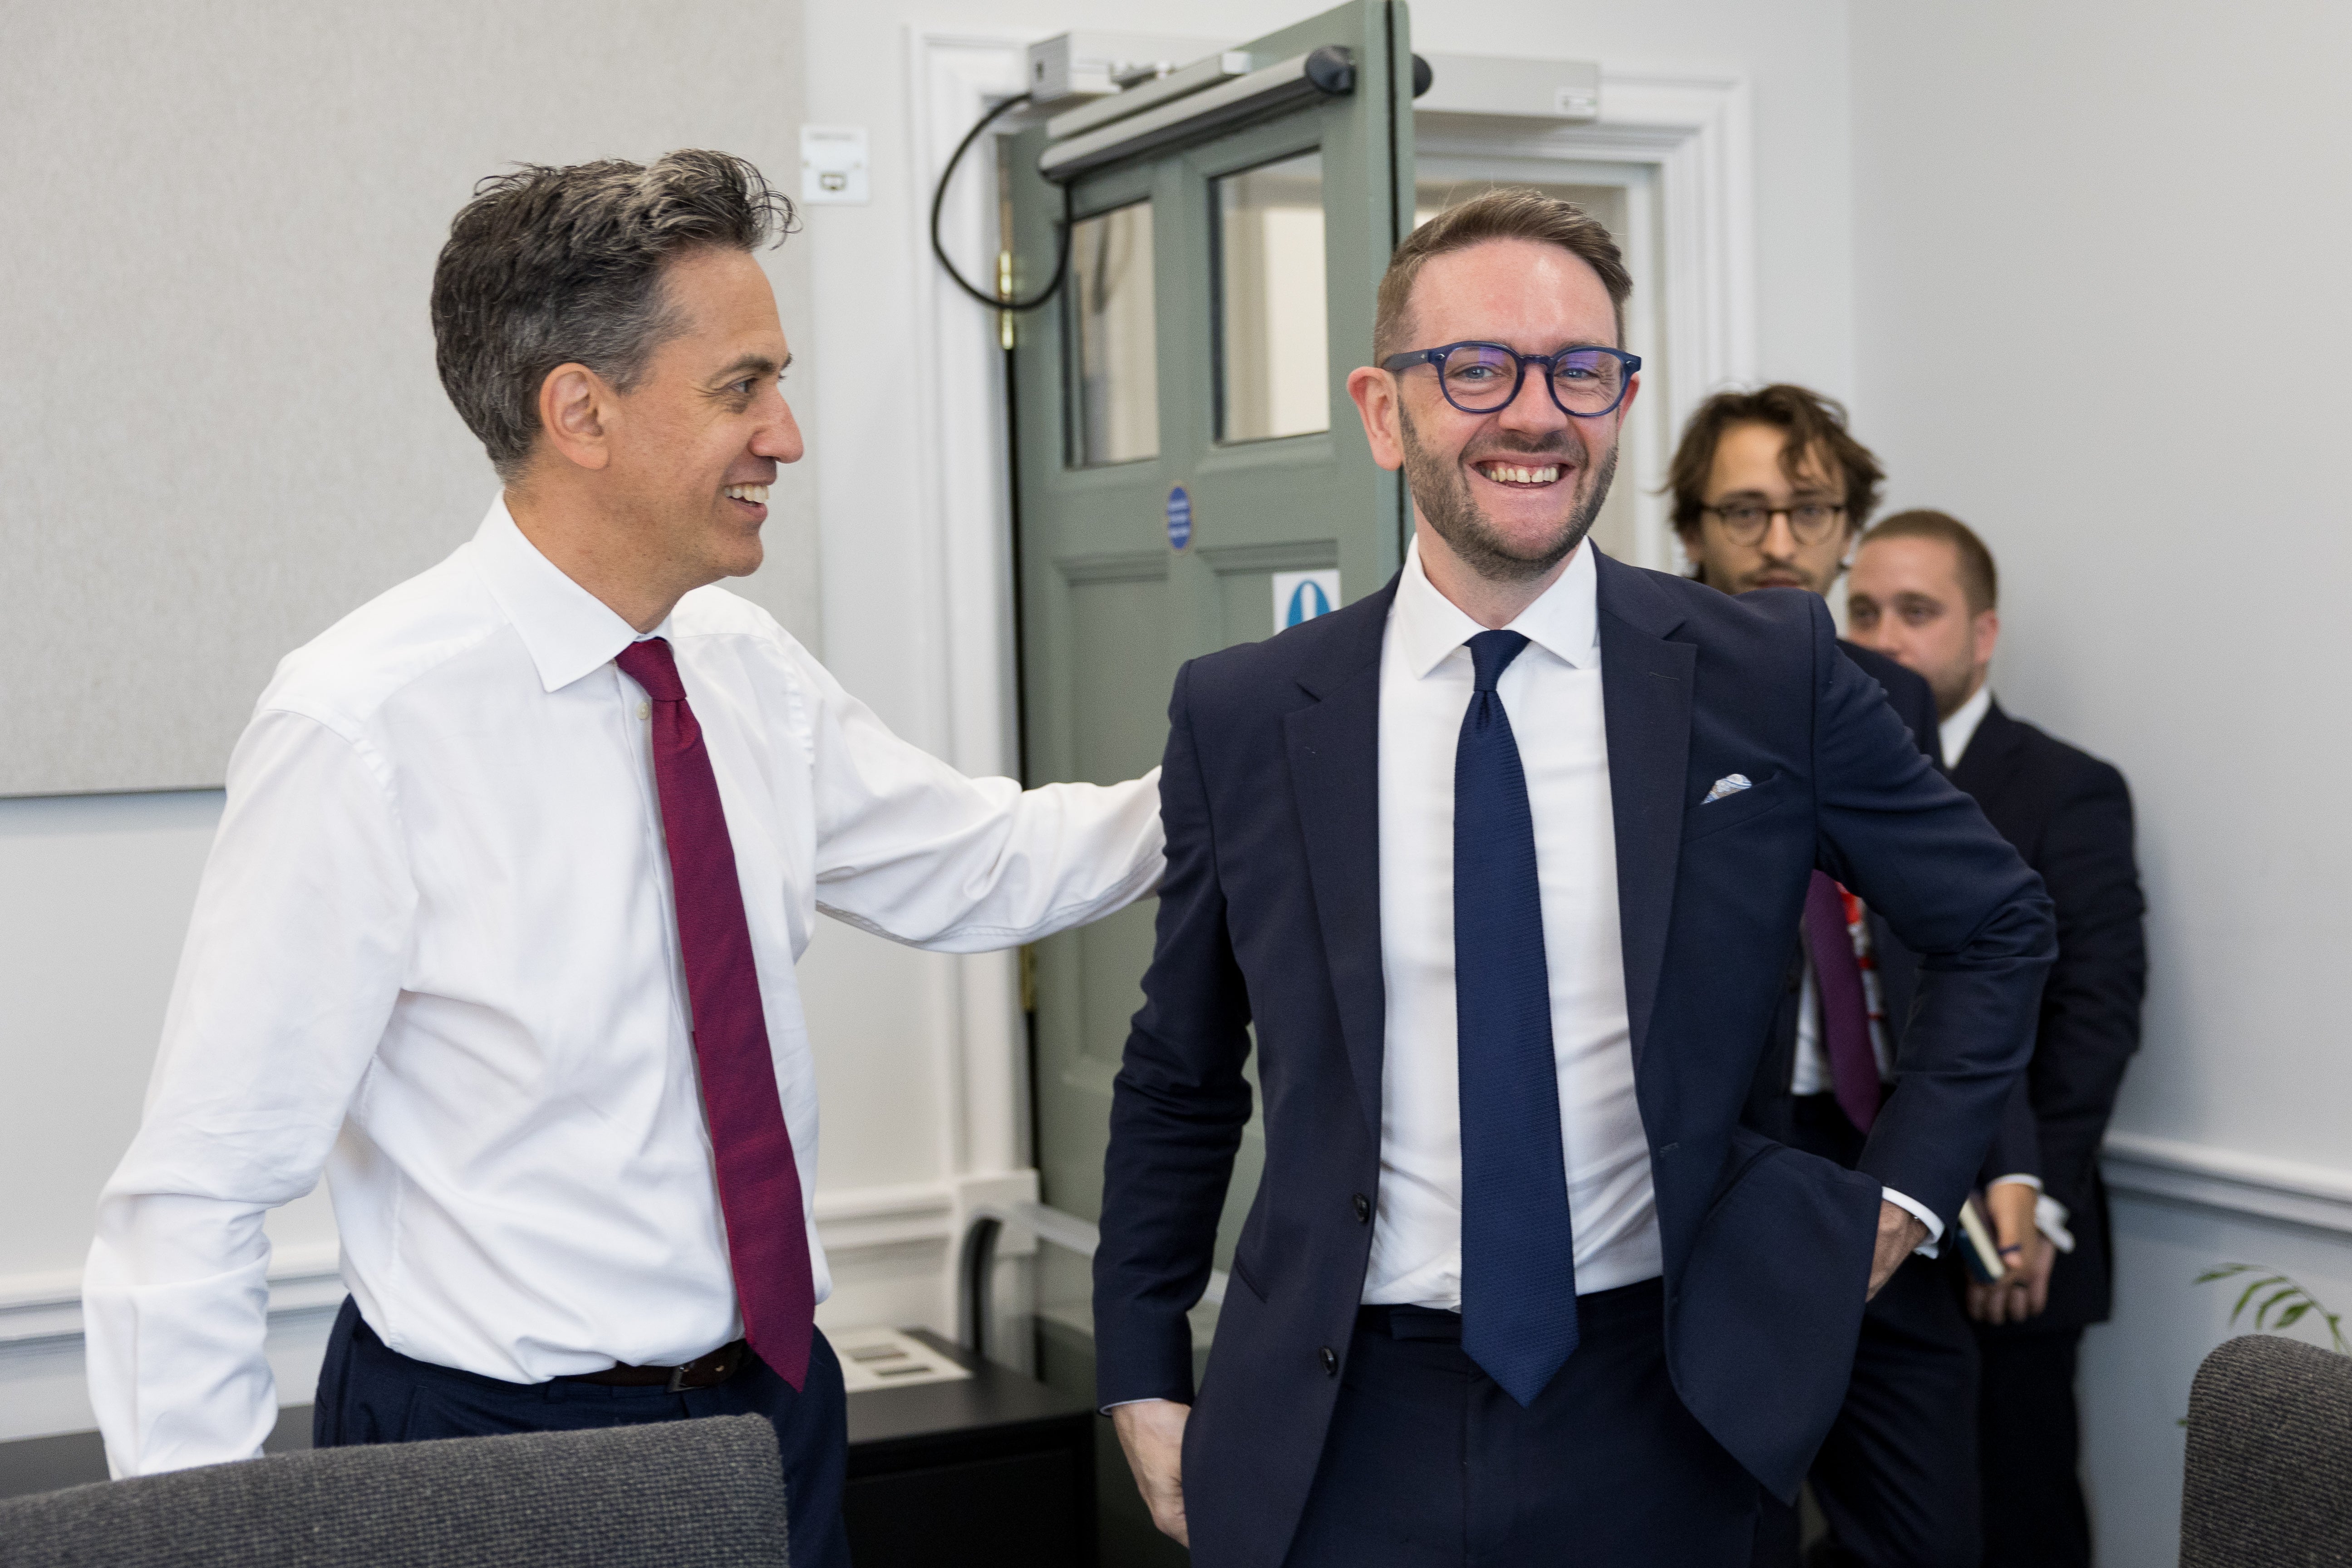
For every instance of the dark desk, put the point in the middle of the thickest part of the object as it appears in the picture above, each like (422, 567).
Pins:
(994, 1469)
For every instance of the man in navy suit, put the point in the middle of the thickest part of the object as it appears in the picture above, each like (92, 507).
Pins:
(1771, 489)
(1925, 591)
(1499, 863)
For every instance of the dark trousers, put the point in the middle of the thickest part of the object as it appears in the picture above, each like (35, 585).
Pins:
(1897, 1478)
(2034, 1516)
(369, 1393)
(1428, 1463)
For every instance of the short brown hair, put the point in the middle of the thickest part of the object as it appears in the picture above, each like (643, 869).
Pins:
(1509, 211)
(1979, 578)
(547, 266)
(1813, 424)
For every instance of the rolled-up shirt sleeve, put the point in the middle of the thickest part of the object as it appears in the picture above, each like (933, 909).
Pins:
(293, 962)
(910, 848)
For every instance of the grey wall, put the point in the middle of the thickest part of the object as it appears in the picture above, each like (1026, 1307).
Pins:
(2101, 314)
(220, 427)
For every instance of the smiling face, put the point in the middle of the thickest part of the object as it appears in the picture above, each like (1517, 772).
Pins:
(1512, 493)
(696, 441)
(1747, 470)
(1906, 599)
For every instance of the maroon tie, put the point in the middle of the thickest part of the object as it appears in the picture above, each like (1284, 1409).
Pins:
(759, 1185)
(1845, 1013)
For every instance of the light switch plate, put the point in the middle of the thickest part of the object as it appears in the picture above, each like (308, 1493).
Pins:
(833, 165)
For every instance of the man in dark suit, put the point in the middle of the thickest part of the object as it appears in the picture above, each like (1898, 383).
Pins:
(1499, 863)
(1925, 591)
(1771, 489)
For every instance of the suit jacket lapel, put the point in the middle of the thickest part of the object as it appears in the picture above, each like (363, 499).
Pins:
(1335, 757)
(1992, 751)
(1645, 693)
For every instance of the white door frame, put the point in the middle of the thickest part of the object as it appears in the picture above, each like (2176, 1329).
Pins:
(1693, 131)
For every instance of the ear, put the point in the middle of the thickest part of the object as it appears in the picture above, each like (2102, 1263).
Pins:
(1987, 630)
(1375, 393)
(576, 409)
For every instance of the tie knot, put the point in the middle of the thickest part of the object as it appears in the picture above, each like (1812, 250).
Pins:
(1491, 653)
(651, 665)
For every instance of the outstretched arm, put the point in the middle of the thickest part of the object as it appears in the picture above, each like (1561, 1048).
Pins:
(910, 848)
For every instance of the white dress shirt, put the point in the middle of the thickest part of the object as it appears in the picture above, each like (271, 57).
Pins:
(1425, 687)
(434, 954)
(1955, 732)
(1552, 692)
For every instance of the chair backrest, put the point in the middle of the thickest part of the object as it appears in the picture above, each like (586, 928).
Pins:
(2269, 1478)
(679, 1494)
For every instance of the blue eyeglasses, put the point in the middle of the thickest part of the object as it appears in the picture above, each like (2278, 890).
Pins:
(1479, 378)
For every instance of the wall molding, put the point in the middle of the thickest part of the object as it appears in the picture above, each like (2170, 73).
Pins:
(2226, 1181)
(851, 1222)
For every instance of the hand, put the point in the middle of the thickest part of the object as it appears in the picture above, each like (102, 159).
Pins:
(2022, 1292)
(1900, 1232)
(1151, 1431)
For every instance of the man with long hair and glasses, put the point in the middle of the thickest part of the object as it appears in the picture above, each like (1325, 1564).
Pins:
(518, 859)
(1494, 869)
(1770, 489)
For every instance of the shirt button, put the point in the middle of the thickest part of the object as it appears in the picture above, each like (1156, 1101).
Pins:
(644, 709)
(1363, 1209)
(1331, 1361)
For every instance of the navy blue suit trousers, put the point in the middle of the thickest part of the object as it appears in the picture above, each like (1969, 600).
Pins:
(369, 1393)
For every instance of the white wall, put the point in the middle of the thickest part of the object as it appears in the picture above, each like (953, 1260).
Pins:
(917, 1055)
(2100, 315)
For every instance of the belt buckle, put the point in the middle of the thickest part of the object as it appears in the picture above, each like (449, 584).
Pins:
(677, 1377)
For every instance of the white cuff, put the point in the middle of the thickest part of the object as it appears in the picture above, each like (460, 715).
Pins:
(1935, 1226)
(2020, 1178)
(2049, 1218)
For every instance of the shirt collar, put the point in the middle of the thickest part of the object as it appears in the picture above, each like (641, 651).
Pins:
(1565, 620)
(1955, 732)
(568, 631)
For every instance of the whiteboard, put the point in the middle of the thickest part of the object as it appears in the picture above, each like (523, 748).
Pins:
(220, 426)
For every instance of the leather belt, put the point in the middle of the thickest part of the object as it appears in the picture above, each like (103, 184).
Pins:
(702, 1372)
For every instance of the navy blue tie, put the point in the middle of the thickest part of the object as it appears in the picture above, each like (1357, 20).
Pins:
(1518, 1252)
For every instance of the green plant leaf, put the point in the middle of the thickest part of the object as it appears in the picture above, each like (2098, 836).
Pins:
(2273, 1299)
(2251, 1292)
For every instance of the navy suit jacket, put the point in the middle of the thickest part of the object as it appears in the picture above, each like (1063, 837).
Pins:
(1269, 916)
(2070, 816)
(2016, 1147)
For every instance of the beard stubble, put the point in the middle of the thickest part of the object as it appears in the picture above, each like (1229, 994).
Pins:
(1442, 490)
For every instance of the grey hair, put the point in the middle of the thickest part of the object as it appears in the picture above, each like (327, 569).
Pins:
(548, 267)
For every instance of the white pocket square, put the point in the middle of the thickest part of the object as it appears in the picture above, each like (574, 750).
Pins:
(1729, 783)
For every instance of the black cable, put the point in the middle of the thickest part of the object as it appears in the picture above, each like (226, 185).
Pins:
(938, 200)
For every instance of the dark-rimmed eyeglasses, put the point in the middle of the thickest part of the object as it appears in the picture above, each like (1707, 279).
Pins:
(1744, 522)
(1480, 378)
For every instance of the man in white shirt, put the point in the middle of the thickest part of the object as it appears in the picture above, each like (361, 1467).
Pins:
(1495, 869)
(517, 860)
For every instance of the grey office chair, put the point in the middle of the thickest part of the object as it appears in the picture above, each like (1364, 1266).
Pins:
(2268, 1479)
(678, 1494)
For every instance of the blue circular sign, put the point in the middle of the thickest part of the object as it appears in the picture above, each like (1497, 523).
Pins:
(1179, 518)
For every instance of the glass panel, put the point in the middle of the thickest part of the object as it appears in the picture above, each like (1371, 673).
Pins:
(1273, 341)
(1115, 381)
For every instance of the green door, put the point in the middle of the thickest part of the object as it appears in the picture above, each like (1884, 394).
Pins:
(1220, 289)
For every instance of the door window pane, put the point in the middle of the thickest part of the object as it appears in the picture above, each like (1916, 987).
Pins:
(1272, 338)
(1115, 379)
